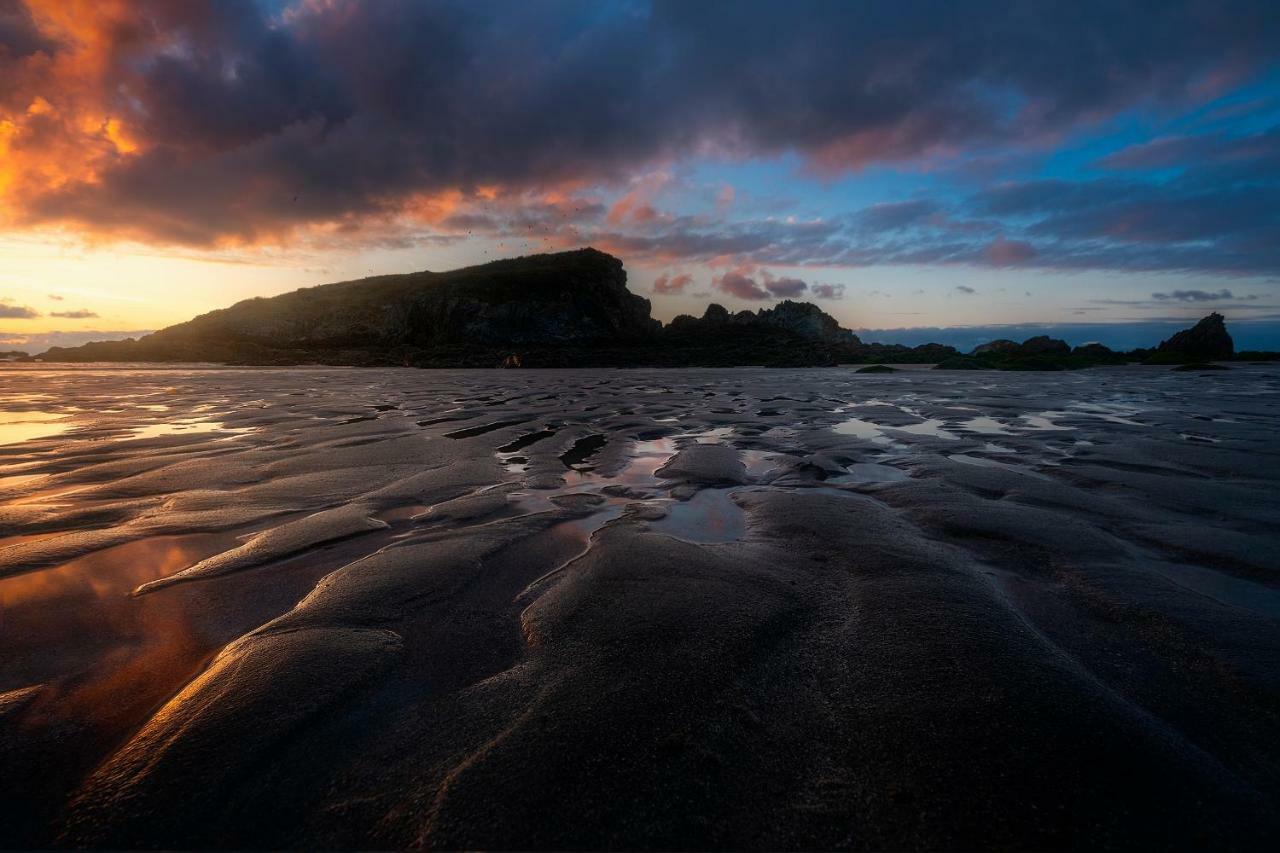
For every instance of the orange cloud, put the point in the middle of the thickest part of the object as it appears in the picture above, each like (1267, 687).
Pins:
(636, 205)
(57, 125)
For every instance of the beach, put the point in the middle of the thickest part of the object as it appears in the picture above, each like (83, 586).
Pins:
(685, 608)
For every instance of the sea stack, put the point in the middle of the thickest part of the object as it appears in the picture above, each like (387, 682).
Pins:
(1207, 340)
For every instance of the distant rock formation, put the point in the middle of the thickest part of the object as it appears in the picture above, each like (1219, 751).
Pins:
(998, 345)
(788, 334)
(1207, 340)
(800, 319)
(1043, 345)
(570, 309)
(13, 355)
(1039, 345)
(571, 299)
(1094, 350)
(806, 320)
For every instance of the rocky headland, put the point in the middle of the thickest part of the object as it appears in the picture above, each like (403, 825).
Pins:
(570, 309)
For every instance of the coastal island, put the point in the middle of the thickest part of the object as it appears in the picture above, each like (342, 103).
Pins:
(569, 309)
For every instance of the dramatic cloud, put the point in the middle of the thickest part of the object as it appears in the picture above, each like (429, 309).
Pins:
(9, 311)
(672, 285)
(746, 284)
(79, 314)
(828, 291)
(785, 288)
(742, 286)
(234, 122)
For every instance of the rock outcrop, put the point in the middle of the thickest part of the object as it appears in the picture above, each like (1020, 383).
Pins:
(788, 334)
(1094, 350)
(998, 345)
(807, 321)
(1044, 345)
(1207, 340)
(570, 309)
(570, 299)
(801, 320)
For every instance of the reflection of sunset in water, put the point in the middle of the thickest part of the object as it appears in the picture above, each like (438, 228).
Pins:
(108, 658)
(102, 661)
(116, 655)
(24, 426)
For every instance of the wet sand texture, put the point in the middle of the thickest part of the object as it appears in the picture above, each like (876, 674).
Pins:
(640, 609)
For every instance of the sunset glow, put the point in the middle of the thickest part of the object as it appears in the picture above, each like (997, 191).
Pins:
(160, 159)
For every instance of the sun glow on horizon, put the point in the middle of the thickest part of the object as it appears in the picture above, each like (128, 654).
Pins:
(161, 160)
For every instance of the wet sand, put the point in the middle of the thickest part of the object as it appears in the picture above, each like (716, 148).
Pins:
(737, 608)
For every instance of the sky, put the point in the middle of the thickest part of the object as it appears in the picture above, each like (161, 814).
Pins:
(1102, 169)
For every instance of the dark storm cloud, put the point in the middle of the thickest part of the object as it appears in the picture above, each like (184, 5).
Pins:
(248, 124)
(19, 36)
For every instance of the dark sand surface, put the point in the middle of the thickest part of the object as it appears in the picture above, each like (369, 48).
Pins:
(639, 609)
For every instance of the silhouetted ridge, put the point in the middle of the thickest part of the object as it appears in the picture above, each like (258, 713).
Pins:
(1205, 341)
(569, 299)
(569, 309)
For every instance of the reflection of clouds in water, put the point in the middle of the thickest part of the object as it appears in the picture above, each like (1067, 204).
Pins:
(709, 517)
(858, 428)
(985, 425)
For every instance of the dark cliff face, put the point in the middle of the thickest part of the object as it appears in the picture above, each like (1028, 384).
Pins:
(1207, 340)
(560, 310)
(567, 298)
(577, 299)
(570, 309)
